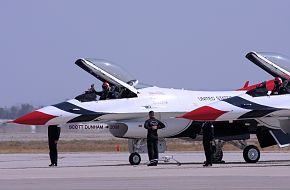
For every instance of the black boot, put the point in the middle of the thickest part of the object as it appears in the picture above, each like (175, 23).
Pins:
(152, 163)
(206, 164)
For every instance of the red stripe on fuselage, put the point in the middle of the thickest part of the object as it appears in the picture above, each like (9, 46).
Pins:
(34, 118)
(204, 113)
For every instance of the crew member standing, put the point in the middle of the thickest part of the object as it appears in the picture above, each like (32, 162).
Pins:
(152, 125)
(206, 140)
(53, 136)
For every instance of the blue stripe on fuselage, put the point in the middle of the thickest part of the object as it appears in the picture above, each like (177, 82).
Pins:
(71, 108)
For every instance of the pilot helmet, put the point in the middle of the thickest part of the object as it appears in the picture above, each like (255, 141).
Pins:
(105, 85)
(278, 80)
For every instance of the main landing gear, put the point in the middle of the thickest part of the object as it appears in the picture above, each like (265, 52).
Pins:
(251, 153)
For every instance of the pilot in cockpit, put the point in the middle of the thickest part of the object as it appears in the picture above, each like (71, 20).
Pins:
(106, 93)
(91, 89)
(91, 93)
(277, 85)
(284, 89)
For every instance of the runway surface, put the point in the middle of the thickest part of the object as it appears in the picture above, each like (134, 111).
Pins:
(112, 171)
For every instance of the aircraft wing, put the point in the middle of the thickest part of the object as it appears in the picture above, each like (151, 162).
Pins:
(106, 71)
(275, 64)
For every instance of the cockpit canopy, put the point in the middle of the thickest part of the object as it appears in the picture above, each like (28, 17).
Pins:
(122, 84)
(98, 68)
(275, 64)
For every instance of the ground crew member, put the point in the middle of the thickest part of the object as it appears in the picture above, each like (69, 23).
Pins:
(206, 140)
(152, 125)
(53, 136)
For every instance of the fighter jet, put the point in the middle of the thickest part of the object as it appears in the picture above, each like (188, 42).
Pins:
(256, 107)
(127, 109)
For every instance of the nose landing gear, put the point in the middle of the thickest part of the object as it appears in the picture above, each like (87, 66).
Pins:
(134, 158)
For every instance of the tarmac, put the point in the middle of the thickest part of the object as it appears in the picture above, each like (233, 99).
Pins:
(104, 171)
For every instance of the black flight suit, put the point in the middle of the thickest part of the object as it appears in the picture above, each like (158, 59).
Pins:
(105, 94)
(53, 136)
(276, 88)
(206, 140)
(152, 138)
(284, 90)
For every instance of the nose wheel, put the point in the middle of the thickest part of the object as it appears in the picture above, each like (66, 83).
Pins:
(134, 158)
(251, 154)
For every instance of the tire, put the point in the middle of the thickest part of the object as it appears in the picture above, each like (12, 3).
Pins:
(251, 154)
(134, 158)
(217, 155)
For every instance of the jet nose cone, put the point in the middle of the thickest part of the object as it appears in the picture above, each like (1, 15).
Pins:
(205, 113)
(34, 118)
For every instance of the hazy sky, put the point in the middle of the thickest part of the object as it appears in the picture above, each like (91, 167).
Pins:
(197, 45)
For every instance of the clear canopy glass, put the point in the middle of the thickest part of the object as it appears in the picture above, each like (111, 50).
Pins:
(113, 69)
(276, 63)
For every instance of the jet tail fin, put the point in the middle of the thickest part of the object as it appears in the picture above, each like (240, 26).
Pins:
(246, 84)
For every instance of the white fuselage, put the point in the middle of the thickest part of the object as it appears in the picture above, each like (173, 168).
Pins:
(132, 112)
